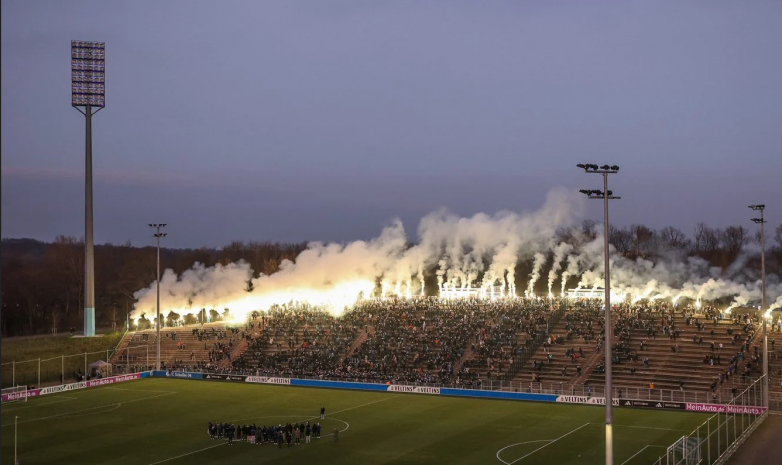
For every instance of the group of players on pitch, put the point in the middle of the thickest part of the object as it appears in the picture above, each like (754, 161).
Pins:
(289, 434)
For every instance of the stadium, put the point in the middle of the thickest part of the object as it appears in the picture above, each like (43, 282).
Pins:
(410, 381)
(379, 248)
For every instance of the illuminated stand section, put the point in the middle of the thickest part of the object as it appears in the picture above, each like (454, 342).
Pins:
(452, 292)
(583, 293)
(88, 90)
(596, 293)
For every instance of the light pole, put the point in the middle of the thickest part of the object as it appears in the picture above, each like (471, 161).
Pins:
(606, 195)
(88, 90)
(762, 221)
(157, 236)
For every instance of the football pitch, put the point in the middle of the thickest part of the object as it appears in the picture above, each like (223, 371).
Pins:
(164, 421)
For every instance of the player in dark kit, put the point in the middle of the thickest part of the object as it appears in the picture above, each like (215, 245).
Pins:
(322, 412)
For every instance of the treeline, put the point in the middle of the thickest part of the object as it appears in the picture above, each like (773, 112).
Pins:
(42, 284)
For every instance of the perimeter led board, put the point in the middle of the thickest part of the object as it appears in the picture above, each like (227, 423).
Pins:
(88, 73)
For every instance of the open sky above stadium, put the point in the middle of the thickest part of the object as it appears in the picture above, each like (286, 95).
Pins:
(297, 121)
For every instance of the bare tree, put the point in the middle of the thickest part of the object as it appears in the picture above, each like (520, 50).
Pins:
(643, 240)
(589, 229)
(734, 238)
(621, 239)
(674, 238)
(778, 235)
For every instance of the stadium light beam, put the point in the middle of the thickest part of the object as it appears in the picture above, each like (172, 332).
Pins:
(762, 221)
(157, 237)
(88, 90)
(605, 195)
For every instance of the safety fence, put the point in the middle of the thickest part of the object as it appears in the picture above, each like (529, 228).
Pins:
(62, 369)
(715, 440)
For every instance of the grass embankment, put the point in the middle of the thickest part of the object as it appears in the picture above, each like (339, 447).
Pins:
(26, 351)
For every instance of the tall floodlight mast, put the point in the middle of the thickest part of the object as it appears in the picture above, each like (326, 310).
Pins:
(605, 195)
(763, 310)
(88, 90)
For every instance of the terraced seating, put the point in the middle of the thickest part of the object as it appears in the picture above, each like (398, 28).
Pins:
(573, 341)
(685, 360)
(176, 344)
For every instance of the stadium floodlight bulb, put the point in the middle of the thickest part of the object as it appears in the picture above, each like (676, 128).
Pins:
(605, 167)
(614, 167)
(581, 165)
(757, 207)
(88, 73)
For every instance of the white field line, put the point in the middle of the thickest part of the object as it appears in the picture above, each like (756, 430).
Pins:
(132, 390)
(189, 453)
(642, 449)
(91, 408)
(362, 405)
(41, 404)
(646, 427)
(347, 426)
(542, 447)
(316, 416)
(518, 444)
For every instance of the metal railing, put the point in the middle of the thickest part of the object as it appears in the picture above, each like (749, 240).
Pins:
(716, 439)
(41, 371)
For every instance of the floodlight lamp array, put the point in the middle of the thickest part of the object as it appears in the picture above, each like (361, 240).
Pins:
(88, 73)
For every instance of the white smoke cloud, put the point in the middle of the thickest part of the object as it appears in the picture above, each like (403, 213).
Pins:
(465, 253)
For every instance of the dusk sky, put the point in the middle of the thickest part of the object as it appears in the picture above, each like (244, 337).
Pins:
(323, 120)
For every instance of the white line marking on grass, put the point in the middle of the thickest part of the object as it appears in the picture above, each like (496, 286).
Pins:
(96, 413)
(347, 427)
(37, 403)
(190, 453)
(552, 441)
(132, 390)
(359, 406)
(316, 416)
(518, 444)
(88, 409)
(646, 427)
(642, 449)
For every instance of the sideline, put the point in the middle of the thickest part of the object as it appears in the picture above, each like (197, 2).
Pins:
(552, 441)
(647, 427)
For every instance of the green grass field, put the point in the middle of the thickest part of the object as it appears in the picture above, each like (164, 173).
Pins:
(155, 421)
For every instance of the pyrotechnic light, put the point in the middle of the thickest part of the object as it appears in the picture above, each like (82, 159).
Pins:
(476, 257)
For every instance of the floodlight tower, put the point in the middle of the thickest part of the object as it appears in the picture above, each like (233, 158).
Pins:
(605, 195)
(762, 221)
(157, 236)
(88, 90)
